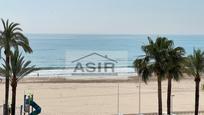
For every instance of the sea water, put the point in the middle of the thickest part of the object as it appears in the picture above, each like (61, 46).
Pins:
(53, 52)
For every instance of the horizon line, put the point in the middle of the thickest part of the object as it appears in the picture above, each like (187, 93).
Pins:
(111, 34)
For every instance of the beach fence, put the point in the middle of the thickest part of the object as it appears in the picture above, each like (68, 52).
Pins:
(19, 110)
(174, 113)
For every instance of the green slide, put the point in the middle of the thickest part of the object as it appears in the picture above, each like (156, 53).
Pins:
(35, 106)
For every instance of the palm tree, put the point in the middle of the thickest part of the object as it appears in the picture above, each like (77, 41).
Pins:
(11, 37)
(196, 68)
(19, 68)
(154, 62)
(175, 66)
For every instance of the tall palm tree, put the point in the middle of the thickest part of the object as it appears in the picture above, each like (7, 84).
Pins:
(19, 68)
(11, 37)
(153, 62)
(175, 66)
(196, 68)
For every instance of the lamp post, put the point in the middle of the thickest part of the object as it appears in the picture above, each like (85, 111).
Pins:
(139, 95)
(172, 103)
(118, 99)
(139, 87)
(118, 96)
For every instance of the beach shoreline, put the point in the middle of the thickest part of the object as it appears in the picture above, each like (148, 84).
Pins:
(88, 79)
(85, 79)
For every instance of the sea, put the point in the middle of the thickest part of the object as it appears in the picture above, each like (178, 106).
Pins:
(56, 53)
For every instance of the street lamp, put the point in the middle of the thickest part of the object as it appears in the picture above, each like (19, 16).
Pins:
(139, 96)
(139, 89)
(172, 103)
(118, 99)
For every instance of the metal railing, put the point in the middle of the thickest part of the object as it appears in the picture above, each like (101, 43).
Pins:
(174, 113)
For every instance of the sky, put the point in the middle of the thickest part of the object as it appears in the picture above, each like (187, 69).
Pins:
(106, 16)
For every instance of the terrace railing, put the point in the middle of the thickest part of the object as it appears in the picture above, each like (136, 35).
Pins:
(174, 113)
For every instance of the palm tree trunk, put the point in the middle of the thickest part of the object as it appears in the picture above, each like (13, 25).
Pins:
(197, 89)
(159, 95)
(6, 86)
(13, 108)
(6, 95)
(169, 96)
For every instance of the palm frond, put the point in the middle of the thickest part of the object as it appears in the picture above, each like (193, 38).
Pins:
(196, 63)
(18, 67)
(3, 22)
(160, 56)
(12, 37)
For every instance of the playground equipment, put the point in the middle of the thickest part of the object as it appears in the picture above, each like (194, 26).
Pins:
(30, 105)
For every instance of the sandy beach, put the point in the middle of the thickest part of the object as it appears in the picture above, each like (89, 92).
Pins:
(100, 98)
